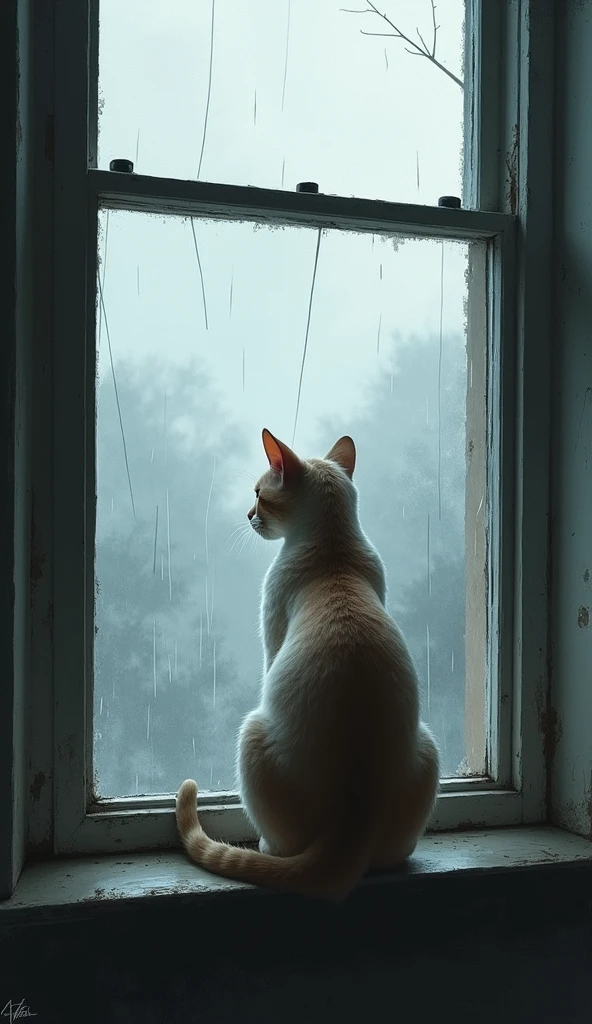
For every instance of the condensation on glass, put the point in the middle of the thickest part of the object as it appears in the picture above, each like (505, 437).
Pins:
(202, 340)
(281, 91)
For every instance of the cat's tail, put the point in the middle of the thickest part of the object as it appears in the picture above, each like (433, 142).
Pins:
(329, 868)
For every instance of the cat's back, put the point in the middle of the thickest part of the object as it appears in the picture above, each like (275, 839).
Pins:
(343, 615)
(343, 672)
(337, 605)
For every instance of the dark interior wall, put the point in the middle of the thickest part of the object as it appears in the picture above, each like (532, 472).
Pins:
(510, 947)
(571, 654)
(15, 354)
(7, 409)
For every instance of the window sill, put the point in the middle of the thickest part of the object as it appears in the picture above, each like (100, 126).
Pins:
(69, 888)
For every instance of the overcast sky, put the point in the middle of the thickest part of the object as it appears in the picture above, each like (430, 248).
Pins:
(360, 116)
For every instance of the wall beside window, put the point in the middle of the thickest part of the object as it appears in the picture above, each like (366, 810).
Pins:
(571, 578)
(15, 354)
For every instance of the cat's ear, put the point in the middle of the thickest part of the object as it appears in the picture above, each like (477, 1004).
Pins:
(282, 459)
(343, 453)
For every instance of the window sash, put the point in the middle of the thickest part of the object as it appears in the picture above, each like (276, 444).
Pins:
(80, 826)
(147, 194)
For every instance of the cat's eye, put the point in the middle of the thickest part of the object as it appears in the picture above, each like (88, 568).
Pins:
(256, 492)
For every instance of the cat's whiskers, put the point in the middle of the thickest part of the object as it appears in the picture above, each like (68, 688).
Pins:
(246, 529)
(245, 542)
(239, 526)
(242, 546)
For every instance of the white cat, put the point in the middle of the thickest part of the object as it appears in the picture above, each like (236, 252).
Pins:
(337, 772)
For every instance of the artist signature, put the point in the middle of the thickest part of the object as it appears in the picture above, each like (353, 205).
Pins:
(15, 1011)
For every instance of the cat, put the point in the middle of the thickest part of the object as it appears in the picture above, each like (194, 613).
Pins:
(336, 770)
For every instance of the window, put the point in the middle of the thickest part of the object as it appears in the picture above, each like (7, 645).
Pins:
(203, 298)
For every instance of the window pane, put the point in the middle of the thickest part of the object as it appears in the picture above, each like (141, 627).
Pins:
(284, 91)
(193, 361)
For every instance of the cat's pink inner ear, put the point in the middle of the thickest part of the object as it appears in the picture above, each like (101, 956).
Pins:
(281, 458)
(273, 452)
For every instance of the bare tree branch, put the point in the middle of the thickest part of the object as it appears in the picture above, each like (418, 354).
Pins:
(435, 28)
(416, 50)
(422, 40)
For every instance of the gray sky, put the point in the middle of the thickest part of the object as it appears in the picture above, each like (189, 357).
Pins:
(349, 122)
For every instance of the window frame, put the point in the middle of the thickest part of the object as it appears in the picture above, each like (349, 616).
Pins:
(77, 824)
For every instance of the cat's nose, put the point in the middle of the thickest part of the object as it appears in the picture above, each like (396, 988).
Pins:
(251, 513)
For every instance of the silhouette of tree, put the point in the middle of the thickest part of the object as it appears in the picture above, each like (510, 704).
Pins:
(414, 513)
(432, 617)
(165, 693)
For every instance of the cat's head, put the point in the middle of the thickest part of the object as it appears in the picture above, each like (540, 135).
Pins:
(297, 495)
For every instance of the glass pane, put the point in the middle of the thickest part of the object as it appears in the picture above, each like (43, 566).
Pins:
(194, 359)
(274, 92)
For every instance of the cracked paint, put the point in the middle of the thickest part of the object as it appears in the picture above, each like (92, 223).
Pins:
(512, 168)
(551, 730)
